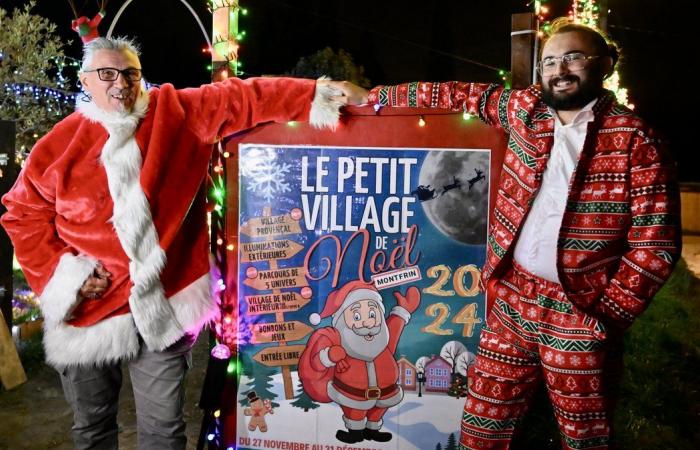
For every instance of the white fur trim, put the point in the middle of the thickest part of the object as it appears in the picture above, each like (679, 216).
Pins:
(325, 359)
(372, 425)
(116, 338)
(121, 156)
(60, 295)
(108, 341)
(355, 296)
(325, 112)
(354, 424)
(364, 405)
(401, 312)
(195, 306)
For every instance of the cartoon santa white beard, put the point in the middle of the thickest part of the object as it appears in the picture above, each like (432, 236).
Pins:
(365, 343)
(352, 362)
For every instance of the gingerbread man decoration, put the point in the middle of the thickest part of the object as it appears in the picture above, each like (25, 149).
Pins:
(257, 410)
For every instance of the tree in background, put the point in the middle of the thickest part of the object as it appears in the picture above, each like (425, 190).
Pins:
(32, 87)
(303, 401)
(451, 442)
(338, 66)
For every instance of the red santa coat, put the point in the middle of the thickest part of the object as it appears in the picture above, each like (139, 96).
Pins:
(123, 190)
(323, 383)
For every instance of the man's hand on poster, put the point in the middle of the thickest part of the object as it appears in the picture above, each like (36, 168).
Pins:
(96, 284)
(410, 301)
(351, 94)
(337, 355)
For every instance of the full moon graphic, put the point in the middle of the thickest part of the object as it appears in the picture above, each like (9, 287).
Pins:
(452, 206)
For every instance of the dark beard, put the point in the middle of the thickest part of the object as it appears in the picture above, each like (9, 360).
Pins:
(587, 91)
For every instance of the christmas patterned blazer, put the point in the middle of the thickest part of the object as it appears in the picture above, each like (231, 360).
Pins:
(620, 235)
(124, 191)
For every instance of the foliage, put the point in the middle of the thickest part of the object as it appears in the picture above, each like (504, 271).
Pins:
(261, 383)
(31, 84)
(31, 353)
(338, 66)
(303, 401)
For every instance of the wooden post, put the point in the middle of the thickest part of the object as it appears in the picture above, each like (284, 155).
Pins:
(11, 370)
(224, 40)
(523, 39)
(8, 173)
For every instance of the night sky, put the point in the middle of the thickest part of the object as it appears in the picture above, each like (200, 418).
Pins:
(400, 41)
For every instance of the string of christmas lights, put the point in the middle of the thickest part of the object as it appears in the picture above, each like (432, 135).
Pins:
(223, 363)
(225, 43)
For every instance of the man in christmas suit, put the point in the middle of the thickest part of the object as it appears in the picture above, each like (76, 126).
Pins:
(352, 362)
(109, 224)
(584, 232)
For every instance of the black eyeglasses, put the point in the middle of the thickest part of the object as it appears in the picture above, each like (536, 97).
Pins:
(111, 74)
(574, 61)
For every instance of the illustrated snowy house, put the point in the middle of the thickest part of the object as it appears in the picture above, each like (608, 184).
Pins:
(407, 374)
(438, 375)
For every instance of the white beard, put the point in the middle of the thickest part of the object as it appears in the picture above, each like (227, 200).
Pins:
(357, 346)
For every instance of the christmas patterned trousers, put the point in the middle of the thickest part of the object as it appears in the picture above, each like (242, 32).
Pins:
(534, 333)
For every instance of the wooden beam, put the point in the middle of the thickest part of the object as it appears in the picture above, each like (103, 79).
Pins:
(11, 370)
(8, 173)
(523, 38)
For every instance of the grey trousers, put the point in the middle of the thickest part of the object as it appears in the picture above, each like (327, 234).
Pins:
(158, 380)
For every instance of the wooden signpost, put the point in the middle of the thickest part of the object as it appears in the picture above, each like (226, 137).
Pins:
(275, 279)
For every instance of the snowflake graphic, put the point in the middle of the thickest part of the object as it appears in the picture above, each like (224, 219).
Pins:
(268, 179)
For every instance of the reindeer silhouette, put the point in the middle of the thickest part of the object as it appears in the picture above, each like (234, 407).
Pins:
(456, 184)
(479, 176)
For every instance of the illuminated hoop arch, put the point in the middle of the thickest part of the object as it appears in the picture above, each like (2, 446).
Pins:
(189, 8)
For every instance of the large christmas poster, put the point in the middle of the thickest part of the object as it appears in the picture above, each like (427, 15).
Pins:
(359, 302)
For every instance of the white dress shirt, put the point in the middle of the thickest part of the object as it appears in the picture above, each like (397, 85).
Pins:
(536, 249)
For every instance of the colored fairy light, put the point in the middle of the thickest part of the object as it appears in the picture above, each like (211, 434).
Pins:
(217, 413)
(221, 351)
(229, 247)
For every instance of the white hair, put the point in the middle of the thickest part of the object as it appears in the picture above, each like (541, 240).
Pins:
(107, 43)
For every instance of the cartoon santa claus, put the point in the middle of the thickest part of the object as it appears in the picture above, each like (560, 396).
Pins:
(352, 362)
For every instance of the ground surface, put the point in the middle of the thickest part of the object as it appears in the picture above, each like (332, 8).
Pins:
(35, 415)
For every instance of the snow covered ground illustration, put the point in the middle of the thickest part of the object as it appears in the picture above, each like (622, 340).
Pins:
(416, 423)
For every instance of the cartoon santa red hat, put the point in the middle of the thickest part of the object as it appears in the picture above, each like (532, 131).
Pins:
(340, 299)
